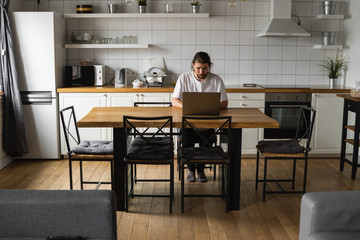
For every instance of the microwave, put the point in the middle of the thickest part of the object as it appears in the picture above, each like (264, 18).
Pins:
(94, 75)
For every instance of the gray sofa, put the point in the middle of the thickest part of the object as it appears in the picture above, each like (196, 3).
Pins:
(39, 214)
(330, 216)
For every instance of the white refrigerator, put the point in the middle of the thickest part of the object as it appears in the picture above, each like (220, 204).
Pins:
(39, 39)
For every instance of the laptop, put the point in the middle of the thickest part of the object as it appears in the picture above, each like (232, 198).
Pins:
(201, 103)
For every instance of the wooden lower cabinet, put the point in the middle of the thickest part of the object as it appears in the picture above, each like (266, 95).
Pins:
(327, 128)
(250, 136)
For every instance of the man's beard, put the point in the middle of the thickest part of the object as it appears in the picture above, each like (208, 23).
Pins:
(201, 76)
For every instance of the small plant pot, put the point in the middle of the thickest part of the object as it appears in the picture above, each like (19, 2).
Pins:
(195, 9)
(329, 7)
(142, 9)
(332, 83)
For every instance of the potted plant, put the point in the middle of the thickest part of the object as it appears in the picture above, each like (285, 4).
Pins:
(195, 6)
(333, 67)
(142, 6)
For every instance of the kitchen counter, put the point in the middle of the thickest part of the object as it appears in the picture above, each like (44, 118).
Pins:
(229, 89)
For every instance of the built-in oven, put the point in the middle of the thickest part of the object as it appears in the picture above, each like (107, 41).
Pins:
(285, 108)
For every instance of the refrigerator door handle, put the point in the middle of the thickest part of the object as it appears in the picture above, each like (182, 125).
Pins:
(36, 97)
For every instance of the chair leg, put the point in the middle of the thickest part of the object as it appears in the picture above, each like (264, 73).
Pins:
(294, 171)
(257, 171)
(171, 185)
(81, 176)
(214, 172)
(305, 174)
(182, 188)
(112, 174)
(227, 188)
(126, 189)
(70, 174)
(135, 174)
(264, 181)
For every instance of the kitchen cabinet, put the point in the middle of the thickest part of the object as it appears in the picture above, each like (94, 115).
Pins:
(251, 136)
(327, 128)
(84, 102)
(128, 99)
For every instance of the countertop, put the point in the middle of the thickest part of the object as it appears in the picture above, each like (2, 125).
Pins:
(229, 89)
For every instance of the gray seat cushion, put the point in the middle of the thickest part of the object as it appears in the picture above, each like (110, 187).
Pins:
(203, 153)
(94, 147)
(281, 146)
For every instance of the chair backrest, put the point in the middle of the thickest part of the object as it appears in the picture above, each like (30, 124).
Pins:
(303, 123)
(146, 138)
(220, 124)
(152, 104)
(69, 125)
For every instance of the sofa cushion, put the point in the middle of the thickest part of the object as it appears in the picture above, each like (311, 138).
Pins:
(335, 236)
(33, 214)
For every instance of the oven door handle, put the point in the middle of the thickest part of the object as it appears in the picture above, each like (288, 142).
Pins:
(287, 106)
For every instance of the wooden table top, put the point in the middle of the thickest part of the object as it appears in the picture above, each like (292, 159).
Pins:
(349, 97)
(113, 117)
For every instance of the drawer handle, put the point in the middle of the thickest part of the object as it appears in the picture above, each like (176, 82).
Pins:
(241, 96)
(243, 104)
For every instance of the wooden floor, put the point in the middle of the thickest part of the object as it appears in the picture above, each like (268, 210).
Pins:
(149, 218)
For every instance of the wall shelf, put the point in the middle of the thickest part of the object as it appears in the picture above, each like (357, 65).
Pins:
(334, 16)
(328, 47)
(106, 45)
(137, 15)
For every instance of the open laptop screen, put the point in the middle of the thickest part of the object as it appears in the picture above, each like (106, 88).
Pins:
(201, 103)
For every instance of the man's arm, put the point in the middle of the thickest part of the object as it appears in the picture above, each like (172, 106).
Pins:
(176, 102)
(223, 104)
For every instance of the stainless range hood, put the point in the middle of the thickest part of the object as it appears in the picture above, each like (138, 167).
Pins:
(281, 24)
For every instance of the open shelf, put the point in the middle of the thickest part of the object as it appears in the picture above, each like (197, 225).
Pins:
(334, 16)
(137, 15)
(328, 47)
(106, 45)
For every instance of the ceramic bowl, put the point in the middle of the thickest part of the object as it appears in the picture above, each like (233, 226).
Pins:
(137, 83)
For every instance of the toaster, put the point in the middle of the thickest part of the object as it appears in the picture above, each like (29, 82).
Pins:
(100, 75)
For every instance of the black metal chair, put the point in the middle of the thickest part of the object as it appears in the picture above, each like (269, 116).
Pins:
(151, 148)
(147, 104)
(83, 150)
(209, 152)
(290, 149)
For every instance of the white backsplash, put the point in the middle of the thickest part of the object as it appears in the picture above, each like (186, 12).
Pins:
(229, 36)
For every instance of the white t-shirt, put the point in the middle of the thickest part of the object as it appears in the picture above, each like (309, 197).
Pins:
(188, 83)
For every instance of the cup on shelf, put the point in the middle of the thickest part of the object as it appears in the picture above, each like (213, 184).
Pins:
(328, 38)
(113, 7)
(169, 8)
(329, 7)
(357, 85)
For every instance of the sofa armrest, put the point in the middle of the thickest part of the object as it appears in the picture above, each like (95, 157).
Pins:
(329, 212)
(42, 213)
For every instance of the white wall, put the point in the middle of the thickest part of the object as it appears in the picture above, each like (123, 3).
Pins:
(229, 36)
(352, 40)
